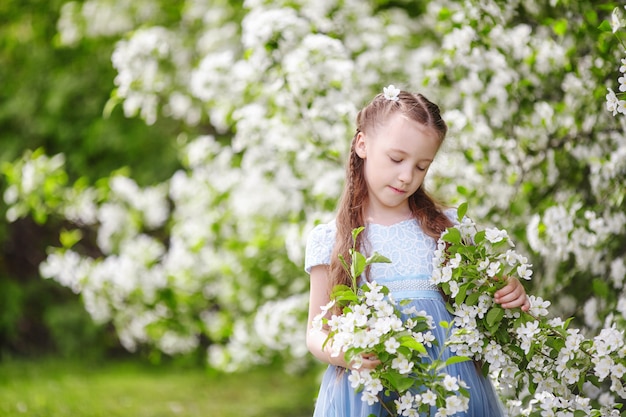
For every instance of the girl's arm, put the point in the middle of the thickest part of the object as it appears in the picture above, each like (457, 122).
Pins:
(512, 295)
(318, 297)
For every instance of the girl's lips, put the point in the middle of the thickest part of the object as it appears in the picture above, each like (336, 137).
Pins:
(396, 190)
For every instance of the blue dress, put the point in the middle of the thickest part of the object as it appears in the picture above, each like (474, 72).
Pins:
(407, 277)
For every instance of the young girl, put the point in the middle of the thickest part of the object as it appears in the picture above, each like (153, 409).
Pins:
(397, 137)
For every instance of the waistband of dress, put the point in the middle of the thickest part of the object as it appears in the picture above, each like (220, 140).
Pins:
(411, 287)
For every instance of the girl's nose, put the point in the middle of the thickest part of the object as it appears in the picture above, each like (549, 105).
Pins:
(406, 174)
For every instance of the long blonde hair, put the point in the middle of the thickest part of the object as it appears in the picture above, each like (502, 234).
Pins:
(350, 213)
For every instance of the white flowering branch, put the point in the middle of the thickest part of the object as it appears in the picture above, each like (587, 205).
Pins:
(528, 352)
(371, 322)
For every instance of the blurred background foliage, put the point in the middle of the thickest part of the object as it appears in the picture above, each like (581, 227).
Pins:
(53, 98)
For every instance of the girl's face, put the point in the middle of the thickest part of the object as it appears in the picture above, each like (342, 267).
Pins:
(397, 155)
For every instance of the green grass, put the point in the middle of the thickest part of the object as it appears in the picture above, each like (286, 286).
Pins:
(54, 388)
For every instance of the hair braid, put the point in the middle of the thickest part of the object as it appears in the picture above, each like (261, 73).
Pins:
(349, 215)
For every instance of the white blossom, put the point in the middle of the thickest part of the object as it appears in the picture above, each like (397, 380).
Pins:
(494, 235)
(391, 345)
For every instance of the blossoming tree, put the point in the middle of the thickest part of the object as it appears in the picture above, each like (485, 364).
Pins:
(215, 252)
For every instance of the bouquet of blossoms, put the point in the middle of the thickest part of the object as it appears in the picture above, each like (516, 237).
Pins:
(408, 381)
(551, 368)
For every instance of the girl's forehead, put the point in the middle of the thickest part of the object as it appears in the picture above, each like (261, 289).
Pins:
(401, 126)
(405, 135)
(395, 118)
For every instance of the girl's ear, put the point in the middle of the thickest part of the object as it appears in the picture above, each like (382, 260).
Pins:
(360, 146)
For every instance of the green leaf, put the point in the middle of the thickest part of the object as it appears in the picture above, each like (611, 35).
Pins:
(494, 316)
(479, 237)
(600, 288)
(383, 356)
(532, 387)
(605, 26)
(445, 287)
(456, 359)
(413, 344)
(404, 384)
(485, 369)
(340, 288)
(377, 258)
(358, 264)
(516, 350)
(581, 382)
(567, 322)
(460, 297)
(401, 383)
(403, 350)
(556, 343)
(461, 211)
(452, 235)
(464, 391)
(356, 232)
(343, 293)
(69, 238)
(346, 296)
(449, 307)
(560, 27)
(502, 336)
(472, 299)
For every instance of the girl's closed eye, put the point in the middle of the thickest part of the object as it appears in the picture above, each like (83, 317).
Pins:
(394, 160)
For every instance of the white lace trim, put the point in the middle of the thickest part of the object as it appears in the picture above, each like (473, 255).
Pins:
(410, 285)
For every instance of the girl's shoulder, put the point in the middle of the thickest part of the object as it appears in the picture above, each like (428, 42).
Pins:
(451, 213)
(319, 245)
(323, 232)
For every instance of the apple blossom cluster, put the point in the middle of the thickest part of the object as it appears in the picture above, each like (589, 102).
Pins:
(371, 322)
(36, 185)
(366, 319)
(614, 104)
(95, 18)
(540, 360)
(517, 151)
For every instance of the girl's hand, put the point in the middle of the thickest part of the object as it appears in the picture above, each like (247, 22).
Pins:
(365, 361)
(512, 295)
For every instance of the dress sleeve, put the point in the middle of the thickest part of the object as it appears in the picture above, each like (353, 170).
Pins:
(319, 246)
(451, 213)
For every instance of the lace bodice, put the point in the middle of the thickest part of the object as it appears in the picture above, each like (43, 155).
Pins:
(405, 244)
